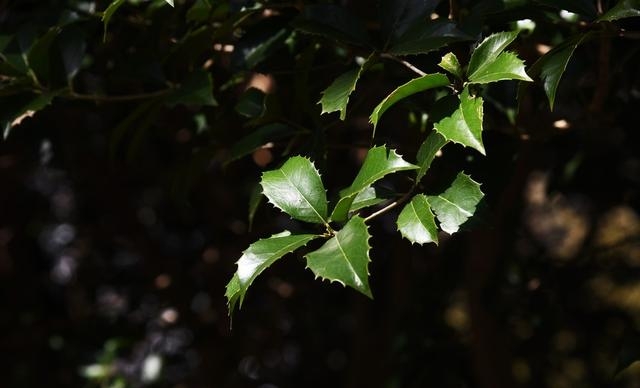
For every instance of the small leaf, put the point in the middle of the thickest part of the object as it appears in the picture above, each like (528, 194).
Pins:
(258, 138)
(296, 189)
(378, 163)
(488, 51)
(259, 256)
(417, 223)
(454, 207)
(336, 96)
(464, 126)
(414, 86)
(252, 103)
(450, 63)
(367, 197)
(333, 22)
(427, 36)
(552, 65)
(108, 14)
(197, 89)
(427, 152)
(506, 67)
(345, 257)
(39, 55)
(623, 9)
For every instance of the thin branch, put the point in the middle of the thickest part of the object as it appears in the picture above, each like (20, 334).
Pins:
(404, 63)
(390, 206)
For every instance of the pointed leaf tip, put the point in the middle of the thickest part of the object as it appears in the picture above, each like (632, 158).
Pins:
(464, 126)
(417, 223)
(457, 204)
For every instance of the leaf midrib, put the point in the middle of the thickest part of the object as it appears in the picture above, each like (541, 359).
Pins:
(303, 197)
(344, 255)
(464, 211)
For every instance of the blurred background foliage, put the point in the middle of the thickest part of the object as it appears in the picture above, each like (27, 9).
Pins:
(132, 149)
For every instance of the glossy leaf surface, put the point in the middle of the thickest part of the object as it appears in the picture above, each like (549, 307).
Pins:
(450, 63)
(454, 207)
(378, 163)
(258, 257)
(427, 152)
(296, 189)
(345, 257)
(623, 9)
(417, 223)
(335, 98)
(464, 126)
(489, 62)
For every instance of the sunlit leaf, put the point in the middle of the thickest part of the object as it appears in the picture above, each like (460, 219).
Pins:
(427, 152)
(367, 197)
(170, 2)
(333, 22)
(489, 49)
(450, 63)
(623, 9)
(197, 89)
(454, 207)
(489, 62)
(259, 256)
(426, 36)
(378, 163)
(414, 86)
(345, 257)
(417, 223)
(296, 189)
(464, 126)
(336, 96)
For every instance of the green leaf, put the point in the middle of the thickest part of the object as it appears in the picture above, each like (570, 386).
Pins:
(336, 96)
(108, 14)
(258, 138)
(370, 196)
(378, 163)
(427, 36)
(20, 105)
(454, 207)
(623, 9)
(333, 22)
(73, 46)
(345, 257)
(490, 64)
(450, 63)
(416, 85)
(399, 15)
(197, 89)
(259, 256)
(39, 55)
(170, 2)
(427, 152)
(464, 126)
(252, 103)
(260, 42)
(552, 65)
(255, 199)
(417, 223)
(296, 189)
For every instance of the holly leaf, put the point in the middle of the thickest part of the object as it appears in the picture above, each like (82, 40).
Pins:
(427, 152)
(417, 223)
(378, 163)
(449, 62)
(370, 196)
(258, 138)
(259, 256)
(427, 36)
(333, 22)
(623, 9)
(490, 64)
(336, 96)
(197, 89)
(416, 85)
(454, 207)
(296, 189)
(464, 126)
(345, 257)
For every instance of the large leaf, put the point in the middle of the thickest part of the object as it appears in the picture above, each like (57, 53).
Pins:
(454, 207)
(427, 152)
(623, 9)
(333, 22)
(378, 163)
(197, 89)
(426, 36)
(258, 138)
(345, 257)
(259, 256)
(336, 96)
(368, 197)
(296, 189)
(464, 126)
(399, 15)
(417, 223)
(552, 65)
(490, 64)
(414, 86)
